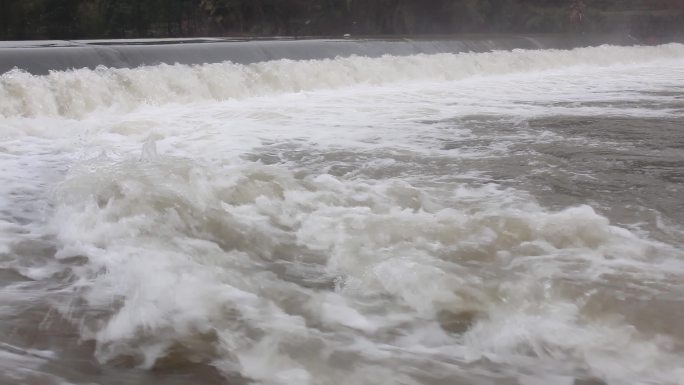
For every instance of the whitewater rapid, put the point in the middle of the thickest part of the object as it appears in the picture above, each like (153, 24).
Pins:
(78, 92)
(512, 217)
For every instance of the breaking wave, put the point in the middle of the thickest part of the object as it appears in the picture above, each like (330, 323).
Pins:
(280, 277)
(78, 92)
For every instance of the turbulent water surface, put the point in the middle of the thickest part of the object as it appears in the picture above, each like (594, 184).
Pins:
(513, 217)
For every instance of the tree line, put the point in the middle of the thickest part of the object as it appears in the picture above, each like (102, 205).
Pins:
(73, 19)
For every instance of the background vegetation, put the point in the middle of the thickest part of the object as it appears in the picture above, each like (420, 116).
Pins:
(71, 19)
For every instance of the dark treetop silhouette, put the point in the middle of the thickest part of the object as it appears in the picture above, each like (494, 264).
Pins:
(72, 19)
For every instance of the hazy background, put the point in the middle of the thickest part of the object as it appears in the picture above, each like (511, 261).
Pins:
(72, 19)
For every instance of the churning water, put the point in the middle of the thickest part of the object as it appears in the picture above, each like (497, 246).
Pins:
(513, 217)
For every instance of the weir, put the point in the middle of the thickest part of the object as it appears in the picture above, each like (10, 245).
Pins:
(79, 92)
(41, 57)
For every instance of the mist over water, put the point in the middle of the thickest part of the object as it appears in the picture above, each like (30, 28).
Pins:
(513, 217)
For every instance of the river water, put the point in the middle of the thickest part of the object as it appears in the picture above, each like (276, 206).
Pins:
(512, 217)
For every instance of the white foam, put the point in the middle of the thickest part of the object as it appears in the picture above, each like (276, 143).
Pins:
(76, 93)
(184, 245)
(319, 237)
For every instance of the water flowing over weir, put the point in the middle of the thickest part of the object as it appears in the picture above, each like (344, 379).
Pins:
(326, 212)
(44, 56)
